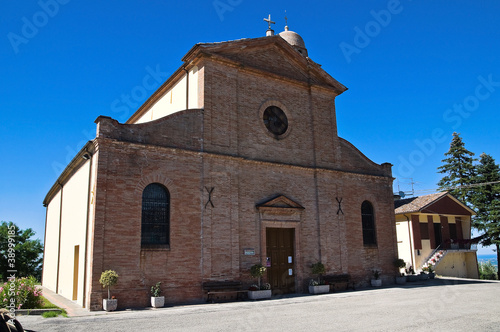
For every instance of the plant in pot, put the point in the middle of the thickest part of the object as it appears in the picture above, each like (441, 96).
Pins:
(400, 264)
(318, 286)
(423, 274)
(411, 275)
(157, 301)
(108, 279)
(376, 281)
(260, 291)
(430, 269)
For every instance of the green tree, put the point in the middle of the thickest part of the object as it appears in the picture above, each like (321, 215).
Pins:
(486, 201)
(458, 169)
(19, 252)
(487, 271)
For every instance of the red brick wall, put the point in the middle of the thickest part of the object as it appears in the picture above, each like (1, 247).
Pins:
(225, 146)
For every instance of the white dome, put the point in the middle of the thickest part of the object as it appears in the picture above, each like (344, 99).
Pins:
(295, 40)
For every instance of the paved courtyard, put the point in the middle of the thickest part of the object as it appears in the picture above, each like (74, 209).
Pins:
(439, 305)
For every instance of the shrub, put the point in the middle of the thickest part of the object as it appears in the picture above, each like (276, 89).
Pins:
(21, 293)
(156, 289)
(487, 271)
(108, 278)
(318, 268)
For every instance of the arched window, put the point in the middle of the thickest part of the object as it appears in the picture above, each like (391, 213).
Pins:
(155, 229)
(368, 222)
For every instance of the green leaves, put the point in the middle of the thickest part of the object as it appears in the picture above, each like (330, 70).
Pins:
(476, 185)
(19, 252)
(458, 169)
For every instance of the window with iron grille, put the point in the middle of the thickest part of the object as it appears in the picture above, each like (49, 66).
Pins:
(155, 230)
(368, 224)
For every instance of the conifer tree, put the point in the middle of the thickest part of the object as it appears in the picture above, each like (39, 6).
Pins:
(486, 201)
(458, 169)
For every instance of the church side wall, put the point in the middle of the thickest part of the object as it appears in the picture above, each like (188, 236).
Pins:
(174, 99)
(73, 226)
(125, 170)
(362, 259)
(51, 245)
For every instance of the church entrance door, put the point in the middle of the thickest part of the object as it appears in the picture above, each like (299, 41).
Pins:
(281, 259)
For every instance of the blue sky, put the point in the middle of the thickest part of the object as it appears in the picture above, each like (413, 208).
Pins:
(416, 71)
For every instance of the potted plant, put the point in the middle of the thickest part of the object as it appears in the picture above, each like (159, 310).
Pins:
(319, 286)
(376, 281)
(108, 279)
(430, 269)
(412, 276)
(427, 273)
(400, 264)
(260, 291)
(157, 301)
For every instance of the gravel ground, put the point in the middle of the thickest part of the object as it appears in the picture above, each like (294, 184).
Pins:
(440, 305)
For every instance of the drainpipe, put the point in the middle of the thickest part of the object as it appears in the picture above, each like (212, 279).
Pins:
(88, 156)
(59, 240)
(187, 87)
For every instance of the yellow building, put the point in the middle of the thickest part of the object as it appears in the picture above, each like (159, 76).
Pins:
(436, 230)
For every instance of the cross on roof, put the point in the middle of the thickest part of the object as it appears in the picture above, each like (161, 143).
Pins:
(268, 20)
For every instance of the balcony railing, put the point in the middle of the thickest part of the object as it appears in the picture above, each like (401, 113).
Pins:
(459, 244)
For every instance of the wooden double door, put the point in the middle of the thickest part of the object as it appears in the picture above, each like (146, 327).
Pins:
(280, 259)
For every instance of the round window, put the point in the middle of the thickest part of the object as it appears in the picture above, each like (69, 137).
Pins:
(275, 120)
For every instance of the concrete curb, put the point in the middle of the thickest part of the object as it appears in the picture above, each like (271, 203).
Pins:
(35, 312)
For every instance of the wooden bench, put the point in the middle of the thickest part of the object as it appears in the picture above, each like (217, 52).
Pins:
(335, 279)
(215, 289)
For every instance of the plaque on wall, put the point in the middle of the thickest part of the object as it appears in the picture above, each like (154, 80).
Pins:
(249, 252)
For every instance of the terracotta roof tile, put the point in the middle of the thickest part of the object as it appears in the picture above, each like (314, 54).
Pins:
(416, 204)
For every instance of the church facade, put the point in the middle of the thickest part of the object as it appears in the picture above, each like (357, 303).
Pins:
(235, 160)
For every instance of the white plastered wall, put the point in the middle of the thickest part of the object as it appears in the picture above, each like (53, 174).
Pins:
(73, 226)
(459, 264)
(49, 278)
(403, 237)
(174, 100)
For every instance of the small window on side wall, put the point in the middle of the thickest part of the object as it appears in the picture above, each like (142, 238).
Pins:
(155, 220)
(368, 224)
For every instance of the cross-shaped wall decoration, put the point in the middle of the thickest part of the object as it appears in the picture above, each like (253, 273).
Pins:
(340, 205)
(210, 191)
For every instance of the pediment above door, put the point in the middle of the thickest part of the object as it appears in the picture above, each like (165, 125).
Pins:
(280, 208)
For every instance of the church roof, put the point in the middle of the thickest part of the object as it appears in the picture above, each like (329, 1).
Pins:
(272, 56)
(281, 55)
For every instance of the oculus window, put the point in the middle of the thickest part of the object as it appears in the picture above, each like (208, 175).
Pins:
(275, 120)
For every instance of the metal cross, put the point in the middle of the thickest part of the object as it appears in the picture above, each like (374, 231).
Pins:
(268, 20)
(210, 191)
(340, 205)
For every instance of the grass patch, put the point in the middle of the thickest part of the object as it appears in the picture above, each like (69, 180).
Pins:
(46, 304)
(50, 314)
(49, 305)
